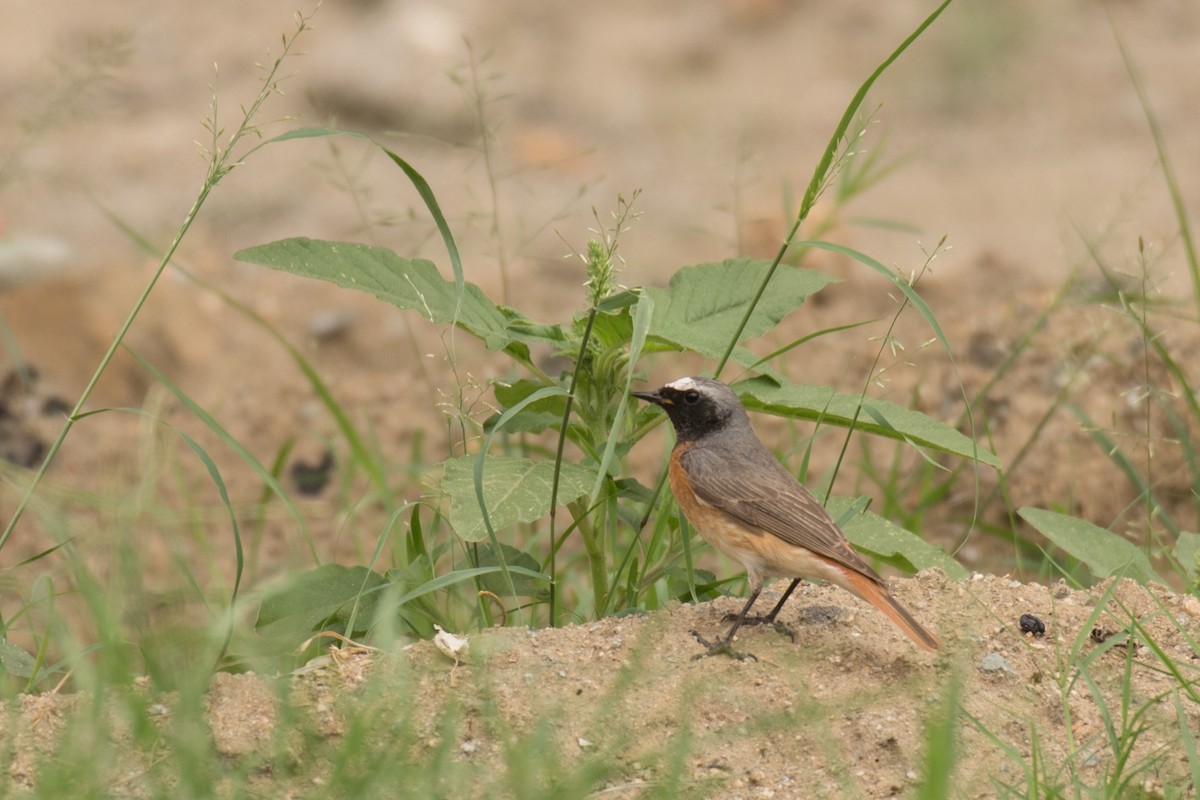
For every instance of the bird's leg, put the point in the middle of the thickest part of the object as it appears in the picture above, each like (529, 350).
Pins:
(724, 644)
(769, 619)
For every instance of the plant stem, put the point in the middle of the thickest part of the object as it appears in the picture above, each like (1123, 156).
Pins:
(593, 546)
(117, 341)
(558, 458)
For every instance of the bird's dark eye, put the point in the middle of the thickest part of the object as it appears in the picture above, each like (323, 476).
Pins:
(691, 396)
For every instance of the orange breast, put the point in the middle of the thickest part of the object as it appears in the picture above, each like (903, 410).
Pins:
(714, 526)
(761, 553)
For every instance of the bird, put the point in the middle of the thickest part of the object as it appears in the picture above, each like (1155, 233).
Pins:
(745, 504)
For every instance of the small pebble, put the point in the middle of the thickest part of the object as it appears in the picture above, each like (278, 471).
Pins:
(994, 662)
(330, 324)
(822, 615)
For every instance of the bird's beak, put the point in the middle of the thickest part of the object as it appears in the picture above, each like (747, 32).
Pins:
(650, 397)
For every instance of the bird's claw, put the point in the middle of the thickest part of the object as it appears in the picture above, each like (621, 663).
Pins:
(765, 619)
(722, 646)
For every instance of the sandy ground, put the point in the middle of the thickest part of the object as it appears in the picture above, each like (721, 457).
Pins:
(1015, 133)
(840, 713)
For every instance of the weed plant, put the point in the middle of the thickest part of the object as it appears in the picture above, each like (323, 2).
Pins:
(538, 522)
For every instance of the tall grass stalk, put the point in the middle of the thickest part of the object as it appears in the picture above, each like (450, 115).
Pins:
(825, 172)
(1160, 145)
(221, 160)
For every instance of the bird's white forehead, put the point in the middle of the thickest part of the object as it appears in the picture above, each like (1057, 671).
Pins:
(683, 384)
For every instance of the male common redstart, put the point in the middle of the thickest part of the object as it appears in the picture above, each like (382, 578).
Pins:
(745, 504)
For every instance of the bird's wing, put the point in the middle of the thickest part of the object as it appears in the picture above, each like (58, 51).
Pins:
(755, 490)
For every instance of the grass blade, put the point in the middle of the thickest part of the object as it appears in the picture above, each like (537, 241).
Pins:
(642, 316)
(219, 482)
(221, 162)
(246, 455)
(418, 182)
(1160, 145)
(940, 739)
(506, 571)
(817, 184)
(376, 472)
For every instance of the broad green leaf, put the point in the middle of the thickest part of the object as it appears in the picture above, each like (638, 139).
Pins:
(419, 183)
(610, 330)
(620, 300)
(534, 417)
(702, 306)
(529, 331)
(526, 421)
(1187, 553)
(319, 597)
(901, 548)
(15, 661)
(878, 417)
(410, 284)
(514, 489)
(509, 394)
(524, 582)
(1104, 552)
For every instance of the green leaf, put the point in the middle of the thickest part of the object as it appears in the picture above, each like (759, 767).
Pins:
(523, 584)
(611, 330)
(419, 183)
(410, 284)
(534, 417)
(15, 661)
(526, 422)
(703, 305)
(621, 300)
(1187, 553)
(510, 394)
(320, 598)
(878, 417)
(1101, 550)
(890, 543)
(530, 331)
(514, 489)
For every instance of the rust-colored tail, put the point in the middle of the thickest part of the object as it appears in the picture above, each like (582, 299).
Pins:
(878, 596)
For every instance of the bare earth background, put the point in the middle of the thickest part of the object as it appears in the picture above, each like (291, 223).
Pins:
(1016, 129)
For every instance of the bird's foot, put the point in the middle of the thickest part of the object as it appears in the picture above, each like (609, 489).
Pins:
(722, 646)
(765, 619)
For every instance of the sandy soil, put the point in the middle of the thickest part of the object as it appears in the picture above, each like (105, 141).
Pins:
(1018, 136)
(839, 713)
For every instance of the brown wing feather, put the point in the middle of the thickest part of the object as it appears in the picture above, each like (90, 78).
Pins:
(754, 489)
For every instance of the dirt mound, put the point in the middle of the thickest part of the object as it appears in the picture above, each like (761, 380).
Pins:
(842, 710)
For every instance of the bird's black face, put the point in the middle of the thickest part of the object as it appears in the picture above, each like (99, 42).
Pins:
(696, 406)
